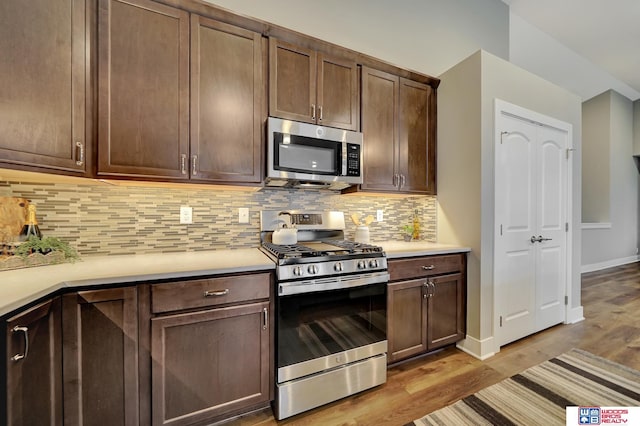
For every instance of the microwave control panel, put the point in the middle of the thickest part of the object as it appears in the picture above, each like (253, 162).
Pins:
(353, 159)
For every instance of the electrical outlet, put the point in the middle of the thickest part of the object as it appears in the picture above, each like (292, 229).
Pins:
(186, 215)
(379, 216)
(243, 215)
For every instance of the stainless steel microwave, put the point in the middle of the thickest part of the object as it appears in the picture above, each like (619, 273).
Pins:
(307, 155)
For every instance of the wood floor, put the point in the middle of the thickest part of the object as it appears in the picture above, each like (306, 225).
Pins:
(611, 329)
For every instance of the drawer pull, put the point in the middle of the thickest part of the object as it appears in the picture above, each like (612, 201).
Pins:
(428, 268)
(216, 293)
(25, 330)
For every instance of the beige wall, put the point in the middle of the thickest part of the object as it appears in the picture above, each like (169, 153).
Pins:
(465, 171)
(596, 125)
(427, 36)
(618, 243)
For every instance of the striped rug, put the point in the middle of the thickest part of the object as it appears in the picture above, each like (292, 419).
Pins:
(539, 395)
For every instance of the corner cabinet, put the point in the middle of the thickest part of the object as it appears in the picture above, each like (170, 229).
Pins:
(426, 304)
(100, 354)
(399, 127)
(34, 366)
(313, 87)
(44, 74)
(210, 346)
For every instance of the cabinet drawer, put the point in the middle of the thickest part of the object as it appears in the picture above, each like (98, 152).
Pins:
(209, 292)
(424, 266)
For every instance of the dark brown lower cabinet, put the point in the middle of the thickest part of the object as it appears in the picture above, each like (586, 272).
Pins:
(209, 363)
(100, 357)
(34, 366)
(428, 311)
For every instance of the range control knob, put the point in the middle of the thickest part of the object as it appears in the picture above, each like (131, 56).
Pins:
(373, 263)
(338, 267)
(297, 271)
(362, 264)
(312, 269)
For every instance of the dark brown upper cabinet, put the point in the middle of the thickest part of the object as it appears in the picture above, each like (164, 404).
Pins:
(313, 87)
(398, 123)
(227, 102)
(44, 71)
(143, 89)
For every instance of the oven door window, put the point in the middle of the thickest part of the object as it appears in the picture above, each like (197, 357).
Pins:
(314, 325)
(307, 155)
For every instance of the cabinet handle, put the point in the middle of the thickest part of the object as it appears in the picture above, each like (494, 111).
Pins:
(433, 289)
(396, 179)
(320, 112)
(194, 162)
(79, 153)
(25, 330)
(402, 181)
(265, 318)
(183, 164)
(217, 293)
(313, 111)
(425, 293)
(428, 268)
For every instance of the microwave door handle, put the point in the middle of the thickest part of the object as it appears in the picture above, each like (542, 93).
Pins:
(344, 159)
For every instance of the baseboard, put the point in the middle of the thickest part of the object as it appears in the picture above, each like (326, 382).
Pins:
(609, 264)
(481, 349)
(575, 315)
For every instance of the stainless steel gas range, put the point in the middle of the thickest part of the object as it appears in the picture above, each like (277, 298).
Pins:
(331, 296)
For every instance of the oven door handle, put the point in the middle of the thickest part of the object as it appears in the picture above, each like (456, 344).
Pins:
(332, 283)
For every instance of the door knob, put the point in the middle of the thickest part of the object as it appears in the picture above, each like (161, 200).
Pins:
(539, 239)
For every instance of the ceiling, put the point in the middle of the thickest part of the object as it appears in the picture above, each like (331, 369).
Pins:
(605, 32)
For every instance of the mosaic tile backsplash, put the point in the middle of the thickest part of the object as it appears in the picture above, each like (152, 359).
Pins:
(102, 219)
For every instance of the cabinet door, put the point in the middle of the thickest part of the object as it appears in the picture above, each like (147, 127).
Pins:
(226, 102)
(43, 84)
(406, 319)
(143, 89)
(416, 147)
(101, 357)
(292, 82)
(380, 129)
(34, 366)
(446, 311)
(209, 363)
(338, 93)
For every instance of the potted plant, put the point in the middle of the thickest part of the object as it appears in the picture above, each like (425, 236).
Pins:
(407, 232)
(45, 246)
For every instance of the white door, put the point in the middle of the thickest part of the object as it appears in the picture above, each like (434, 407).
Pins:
(530, 211)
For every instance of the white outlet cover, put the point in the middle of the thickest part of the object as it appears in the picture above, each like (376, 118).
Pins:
(186, 215)
(243, 215)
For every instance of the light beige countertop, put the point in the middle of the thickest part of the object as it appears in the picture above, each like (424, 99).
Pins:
(22, 286)
(397, 249)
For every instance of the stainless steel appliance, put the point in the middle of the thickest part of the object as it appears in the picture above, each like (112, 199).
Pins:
(307, 155)
(331, 316)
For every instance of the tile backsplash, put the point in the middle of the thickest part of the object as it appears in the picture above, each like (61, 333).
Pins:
(102, 219)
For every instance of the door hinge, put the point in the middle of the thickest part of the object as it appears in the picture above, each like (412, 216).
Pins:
(566, 227)
(568, 151)
(566, 300)
(500, 320)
